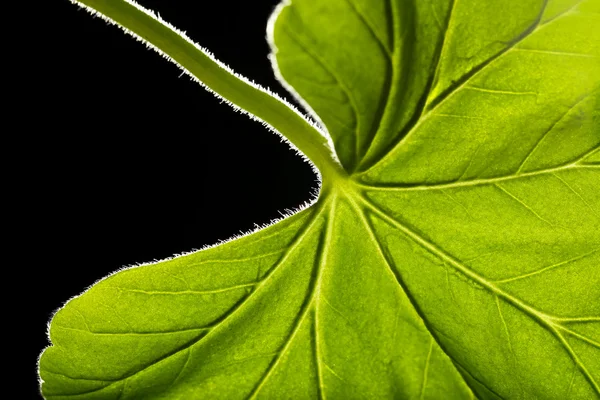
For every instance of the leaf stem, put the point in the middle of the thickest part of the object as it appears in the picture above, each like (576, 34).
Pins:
(221, 80)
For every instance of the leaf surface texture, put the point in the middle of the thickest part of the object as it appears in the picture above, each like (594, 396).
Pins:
(459, 259)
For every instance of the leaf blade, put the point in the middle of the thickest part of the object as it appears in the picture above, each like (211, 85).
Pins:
(458, 259)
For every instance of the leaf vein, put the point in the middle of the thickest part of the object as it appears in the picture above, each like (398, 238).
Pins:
(329, 70)
(579, 336)
(542, 319)
(554, 52)
(134, 333)
(183, 292)
(395, 274)
(297, 239)
(387, 79)
(577, 194)
(426, 370)
(577, 360)
(473, 182)
(523, 204)
(306, 307)
(549, 267)
(505, 326)
(462, 82)
(378, 41)
(545, 135)
(441, 53)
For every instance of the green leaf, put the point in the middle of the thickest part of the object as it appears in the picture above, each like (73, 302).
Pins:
(456, 254)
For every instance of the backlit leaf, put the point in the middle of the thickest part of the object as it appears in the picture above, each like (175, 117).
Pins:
(456, 255)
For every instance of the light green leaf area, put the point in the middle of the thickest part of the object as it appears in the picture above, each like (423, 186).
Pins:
(458, 258)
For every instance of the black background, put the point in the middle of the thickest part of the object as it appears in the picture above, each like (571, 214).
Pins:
(132, 162)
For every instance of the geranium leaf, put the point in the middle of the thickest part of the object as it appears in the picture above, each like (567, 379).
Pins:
(455, 255)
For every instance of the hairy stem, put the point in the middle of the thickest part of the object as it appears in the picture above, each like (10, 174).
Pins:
(216, 77)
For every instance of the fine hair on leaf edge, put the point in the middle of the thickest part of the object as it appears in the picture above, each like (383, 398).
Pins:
(313, 121)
